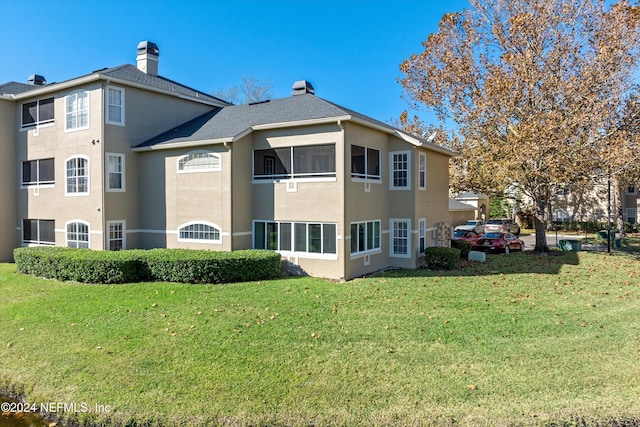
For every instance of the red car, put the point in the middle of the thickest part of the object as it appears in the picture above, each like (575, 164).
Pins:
(498, 242)
(466, 235)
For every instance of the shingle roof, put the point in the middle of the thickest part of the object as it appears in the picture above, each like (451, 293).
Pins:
(235, 120)
(126, 72)
(132, 74)
(15, 88)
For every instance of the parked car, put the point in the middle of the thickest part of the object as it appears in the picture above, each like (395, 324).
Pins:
(502, 225)
(476, 225)
(466, 235)
(498, 242)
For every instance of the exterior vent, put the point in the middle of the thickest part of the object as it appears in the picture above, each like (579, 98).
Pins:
(147, 55)
(301, 87)
(37, 80)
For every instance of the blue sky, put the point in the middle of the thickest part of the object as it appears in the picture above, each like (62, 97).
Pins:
(350, 50)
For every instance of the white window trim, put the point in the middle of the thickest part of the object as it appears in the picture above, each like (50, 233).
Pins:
(299, 177)
(106, 106)
(106, 169)
(66, 187)
(634, 192)
(66, 231)
(409, 170)
(124, 233)
(376, 179)
(203, 241)
(66, 100)
(38, 242)
(293, 252)
(392, 221)
(422, 156)
(635, 214)
(37, 124)
(360, 254)
(214, 154)
(38, 183)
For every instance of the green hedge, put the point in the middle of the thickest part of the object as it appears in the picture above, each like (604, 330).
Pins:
(441, 258)
(464, 247)
(172, 265)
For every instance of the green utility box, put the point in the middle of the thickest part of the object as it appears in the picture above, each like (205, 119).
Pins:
(570, 245)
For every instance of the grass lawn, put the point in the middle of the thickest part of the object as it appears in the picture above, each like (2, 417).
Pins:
(522, 339)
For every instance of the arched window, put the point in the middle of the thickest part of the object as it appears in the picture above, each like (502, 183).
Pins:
(199, 161)
(199, 232)
(77, 175)
(77, 111)
(77, 234)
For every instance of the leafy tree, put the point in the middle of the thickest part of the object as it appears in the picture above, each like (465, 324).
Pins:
(536, 92)
(249, 90)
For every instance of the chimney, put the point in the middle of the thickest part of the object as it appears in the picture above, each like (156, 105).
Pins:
(301, 87)
(147, 57)
(37, 80)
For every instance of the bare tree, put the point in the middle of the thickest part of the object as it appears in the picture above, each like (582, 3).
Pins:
(539, 91)
(250, 89)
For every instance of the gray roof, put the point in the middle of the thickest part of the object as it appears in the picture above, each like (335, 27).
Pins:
(15, 88)
(132, 74)
(128, 73)
(229, 123)
(234, 120)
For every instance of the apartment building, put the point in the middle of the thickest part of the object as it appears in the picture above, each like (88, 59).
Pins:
(124, 158)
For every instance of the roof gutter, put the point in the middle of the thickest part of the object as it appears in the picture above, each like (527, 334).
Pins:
(97, 77)
(184, 144)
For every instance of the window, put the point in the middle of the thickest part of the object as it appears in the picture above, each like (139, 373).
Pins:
(365, 162)
(422, 171)
(561, 215)
(631, 189)
(115, 172)
(303, 237)
(116, 236)
(77, 111)
(77, 176)
(37, 112)
(399, 166)
(78, 235)
(115, 106)
(422, 235)
(199, 161)
(365, 237)
(311, 161)
(38, 172)
(38, 231)
(632, 215)
(400, 238)
(199, 233)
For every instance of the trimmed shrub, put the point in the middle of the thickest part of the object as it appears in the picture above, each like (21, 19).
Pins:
(79, 265)
(464, 247)
(441, 258)
(190, 266)
(174, 265)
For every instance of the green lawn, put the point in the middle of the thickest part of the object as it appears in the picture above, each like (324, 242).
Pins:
(522, 339)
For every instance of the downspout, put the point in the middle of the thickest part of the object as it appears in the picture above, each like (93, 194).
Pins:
(229, 147)
(101, 141)
(343, 188)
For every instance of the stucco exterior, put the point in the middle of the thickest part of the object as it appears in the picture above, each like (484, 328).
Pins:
(137, 165)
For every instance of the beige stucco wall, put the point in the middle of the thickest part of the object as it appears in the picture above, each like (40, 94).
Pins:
(301, 200)
(8, 177)
(53, 141)
(147, 114)
(169, 199)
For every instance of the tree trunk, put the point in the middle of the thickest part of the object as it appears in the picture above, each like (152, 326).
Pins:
(540, 227)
